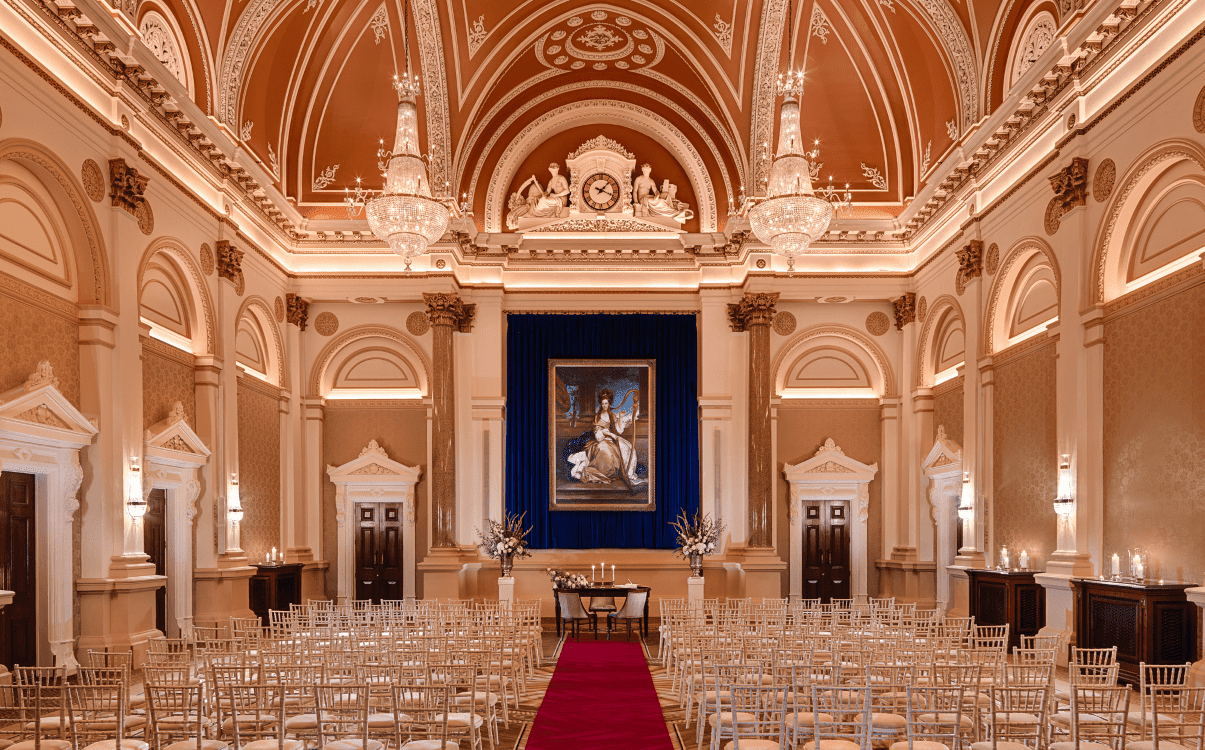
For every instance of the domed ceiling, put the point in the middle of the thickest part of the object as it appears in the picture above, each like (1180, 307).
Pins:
(305, 86)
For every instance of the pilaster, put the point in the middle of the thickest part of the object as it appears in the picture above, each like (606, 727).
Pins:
(754, 314)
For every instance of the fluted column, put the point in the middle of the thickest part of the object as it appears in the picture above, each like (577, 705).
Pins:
(753, 314)
(447, 314)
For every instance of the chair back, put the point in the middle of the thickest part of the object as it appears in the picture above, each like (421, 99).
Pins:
(1181, 718)
(1018, 714)
(841, 713)
(1098, 714)
(97, 712)
(1152, 676)
(571, 606)
(39, 691)
(754, 712)
(934, 714)
(633, 606)
(176, 710)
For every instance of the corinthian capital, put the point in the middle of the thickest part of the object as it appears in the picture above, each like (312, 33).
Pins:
(755, 308)
(450, 310)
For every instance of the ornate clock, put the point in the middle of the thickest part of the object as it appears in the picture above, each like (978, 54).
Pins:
(600, 191)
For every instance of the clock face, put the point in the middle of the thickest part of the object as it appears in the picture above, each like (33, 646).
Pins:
(600, 191)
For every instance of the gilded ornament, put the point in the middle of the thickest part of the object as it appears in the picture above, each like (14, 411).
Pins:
(279, 308)
(755, 308)
(877, 323)
(126, 186)
(992, 263)
(449, 310)
(784, 323)
(207, 264)
(326, 323)
(1102, 183)
(230, 261)
(922, 309)
(240, 284)
(970, 264)
(904, 309)
(1070, 184)
(297, 310)
(1054, 215)
(761, 262)
(94, 181)
(417, 323)
(1198, 112)
(146, 217)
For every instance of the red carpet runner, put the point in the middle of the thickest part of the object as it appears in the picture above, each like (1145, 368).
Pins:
(601, 696)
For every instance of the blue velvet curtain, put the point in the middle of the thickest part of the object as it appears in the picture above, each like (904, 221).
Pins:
(533, 339)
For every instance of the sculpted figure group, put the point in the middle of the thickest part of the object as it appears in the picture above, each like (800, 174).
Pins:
(551, 202)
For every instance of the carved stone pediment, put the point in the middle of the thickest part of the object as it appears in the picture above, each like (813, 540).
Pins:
(40, 413)
(373, 467)
(830, 459)
(173, 442)
(945, 457)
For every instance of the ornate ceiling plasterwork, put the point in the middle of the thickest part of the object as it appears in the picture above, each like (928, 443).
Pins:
(592, 111)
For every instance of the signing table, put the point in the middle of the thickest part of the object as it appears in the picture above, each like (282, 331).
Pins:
(604, 590)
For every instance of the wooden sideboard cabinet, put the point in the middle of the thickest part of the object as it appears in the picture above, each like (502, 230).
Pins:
(274, 587)
(1148, 622)
(1008, 597)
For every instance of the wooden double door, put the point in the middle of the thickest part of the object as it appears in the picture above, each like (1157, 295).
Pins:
(154, 544)
(826, 562)
(18, 570)
(379, 551)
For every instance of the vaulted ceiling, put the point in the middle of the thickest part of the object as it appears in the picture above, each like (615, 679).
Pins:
(892, 85)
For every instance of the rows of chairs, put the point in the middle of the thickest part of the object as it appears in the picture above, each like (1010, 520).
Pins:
(777, 674)
(397, 676)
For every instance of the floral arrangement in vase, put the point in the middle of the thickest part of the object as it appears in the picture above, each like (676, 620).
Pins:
(505, 540)
(563, 579)
(697, 536)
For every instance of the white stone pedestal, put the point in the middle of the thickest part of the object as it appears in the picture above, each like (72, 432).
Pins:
(694, 591)
(1196, 675)
(6, 598)
(506, 591)
(1060, 611)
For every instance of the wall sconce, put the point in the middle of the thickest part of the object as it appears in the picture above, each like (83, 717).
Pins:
(234, 506)
(1064, 502)
(136, 503)
(966, 504)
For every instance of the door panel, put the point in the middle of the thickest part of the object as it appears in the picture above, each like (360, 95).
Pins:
(154, 544)
(379, 551)
(18, 569)
(826, 550)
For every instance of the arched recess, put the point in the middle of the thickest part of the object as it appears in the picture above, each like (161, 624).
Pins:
(942, 341)
(169, 278)
(1153, 224)
(599, 111)
(162, 35)
(94, 286)
(832, 354)
(1025, 295)
(34, 240)
(370, 362)
(258, 342)
(1014, 26)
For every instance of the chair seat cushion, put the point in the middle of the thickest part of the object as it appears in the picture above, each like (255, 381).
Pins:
(228, 724)
(461, 720)
(891, 722)
(293, 723)
(50, 722)
(1148, 745)
(1016, 717)
(725, 719)
(112, 745)
(376, 721)
(1000, 745)
(750, 745)
(430, 745)
(354, 744)
(919, 745)
(192, 745)
(46, 745)
(271, 744)
(1081, 745)
(964, 721)
(830, 745)
(807, 719)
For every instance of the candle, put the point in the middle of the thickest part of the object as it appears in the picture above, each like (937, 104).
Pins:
(1024, 560)
(612, 574)
(1116, 564)
(273, 554)
(1004, 557)
(592, 572)
(267, 558)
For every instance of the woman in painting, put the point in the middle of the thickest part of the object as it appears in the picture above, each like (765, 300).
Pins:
(608, 457)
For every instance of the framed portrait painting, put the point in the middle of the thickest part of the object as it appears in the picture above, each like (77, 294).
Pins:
(601, 434)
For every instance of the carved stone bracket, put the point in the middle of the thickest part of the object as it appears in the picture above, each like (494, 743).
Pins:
(1070, 184)
(755, 308)
(905, 310)
(450, 310)
(126, 185)
(970, 262)
(297, 310)
(230, 261)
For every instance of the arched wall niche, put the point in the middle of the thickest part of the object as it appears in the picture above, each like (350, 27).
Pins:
(84, 238)
(256, 334)
(172, 278)
(1038, 32)
(830, 350)
(938, 340)
(370, 362)
(1013, 19)
(1024, 297)
(163, 36)
(1142, 236)
(34, 239)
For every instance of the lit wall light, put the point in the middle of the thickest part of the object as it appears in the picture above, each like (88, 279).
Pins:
(966, 504)
(234, 505)
(1064, 502)
(136, 503)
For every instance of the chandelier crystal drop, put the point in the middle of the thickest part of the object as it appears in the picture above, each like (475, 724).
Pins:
(404, 214)
(791, 216)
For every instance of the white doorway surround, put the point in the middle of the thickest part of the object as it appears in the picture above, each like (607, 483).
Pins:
(173, 459)
(831, 475)
(42, 434)
(372, 478)
(943, 468)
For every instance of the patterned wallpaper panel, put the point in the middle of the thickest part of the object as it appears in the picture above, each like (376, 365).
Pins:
(402, 432)
(858, 432)
(1154, 441)
(259, 469)
(947, 409)
(29, 334)
(1025, 454)
(164, 382)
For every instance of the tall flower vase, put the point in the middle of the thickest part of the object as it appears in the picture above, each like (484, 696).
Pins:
(696, 564)
(508, 561)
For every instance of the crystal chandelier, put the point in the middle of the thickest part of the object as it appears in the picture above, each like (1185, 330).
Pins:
(791, 216)
(404, 214)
